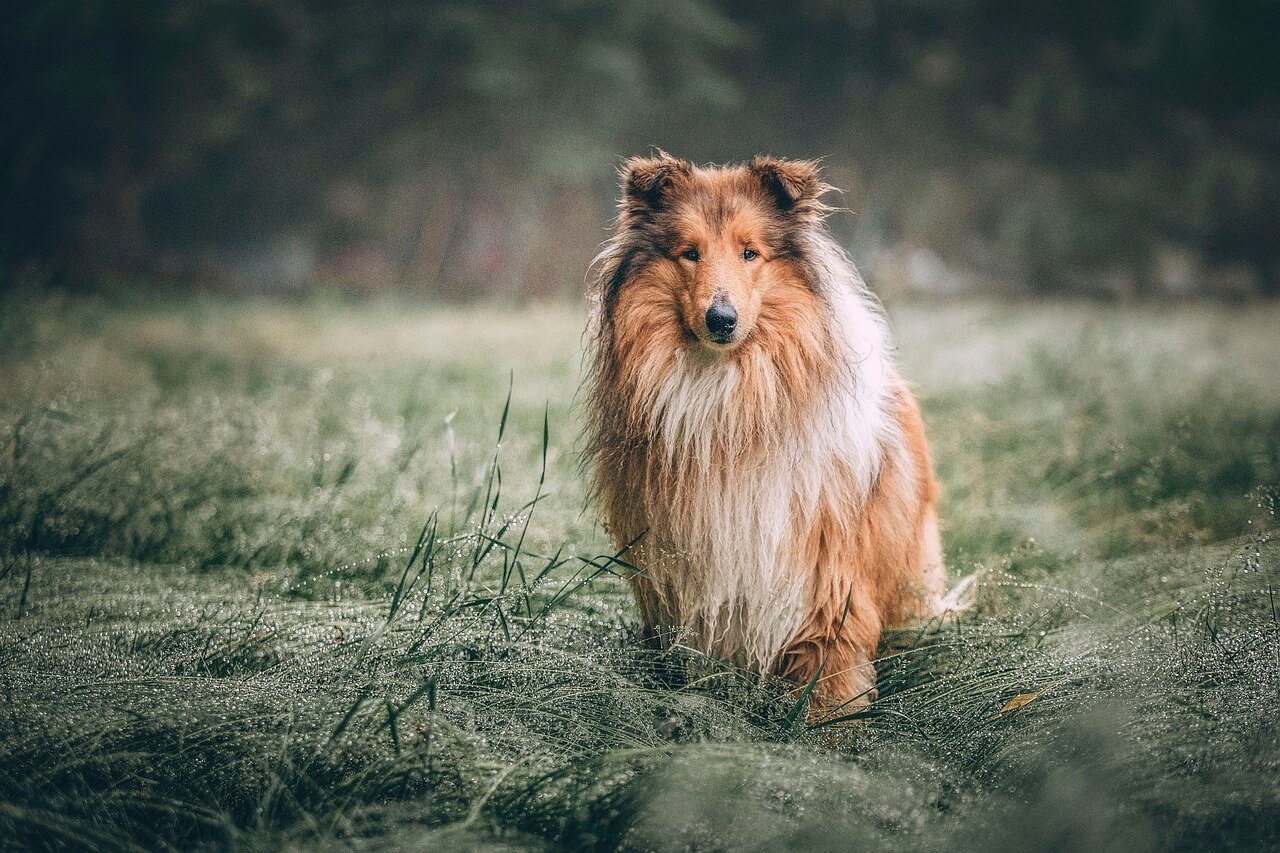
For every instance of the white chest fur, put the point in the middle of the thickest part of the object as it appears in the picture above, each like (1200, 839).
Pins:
(724, 546)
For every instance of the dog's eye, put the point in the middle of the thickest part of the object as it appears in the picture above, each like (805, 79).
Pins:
(749, 254)
(690, 255)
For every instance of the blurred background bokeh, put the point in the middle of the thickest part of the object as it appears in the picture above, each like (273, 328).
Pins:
(1123, 149)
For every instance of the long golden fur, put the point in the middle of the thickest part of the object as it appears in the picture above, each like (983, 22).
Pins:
(749, 436)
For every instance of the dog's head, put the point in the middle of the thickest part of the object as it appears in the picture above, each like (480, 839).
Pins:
(718, 247)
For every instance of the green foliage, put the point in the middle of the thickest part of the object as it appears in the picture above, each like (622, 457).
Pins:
(140, 129)
(468, 146)
(267, 582)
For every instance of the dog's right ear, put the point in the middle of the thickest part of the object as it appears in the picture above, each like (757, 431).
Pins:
(646, 181)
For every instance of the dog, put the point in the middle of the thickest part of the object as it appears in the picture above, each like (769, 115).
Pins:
(752, 447)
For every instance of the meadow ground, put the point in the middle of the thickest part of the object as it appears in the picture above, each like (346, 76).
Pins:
(269, 578)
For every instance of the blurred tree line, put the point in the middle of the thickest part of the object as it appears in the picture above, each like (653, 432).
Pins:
(1127, 147)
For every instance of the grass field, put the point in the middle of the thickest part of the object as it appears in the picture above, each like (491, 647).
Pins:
(287, 575)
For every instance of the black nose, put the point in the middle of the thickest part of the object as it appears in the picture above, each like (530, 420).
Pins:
(721, 320)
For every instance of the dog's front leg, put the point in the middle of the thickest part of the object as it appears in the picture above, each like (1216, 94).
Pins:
(838, 653)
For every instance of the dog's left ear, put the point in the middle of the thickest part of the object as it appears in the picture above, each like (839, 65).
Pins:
(793, 184)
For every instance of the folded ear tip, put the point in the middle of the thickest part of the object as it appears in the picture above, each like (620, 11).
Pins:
(785, 163)
(793, 181)
(631, 164)
(644, 178)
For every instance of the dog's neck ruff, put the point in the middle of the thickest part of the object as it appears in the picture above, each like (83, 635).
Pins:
(733, 493)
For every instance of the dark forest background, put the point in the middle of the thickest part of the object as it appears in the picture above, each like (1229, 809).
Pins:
(1122, 148)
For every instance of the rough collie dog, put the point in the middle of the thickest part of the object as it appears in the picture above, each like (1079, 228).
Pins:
(749, 437)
